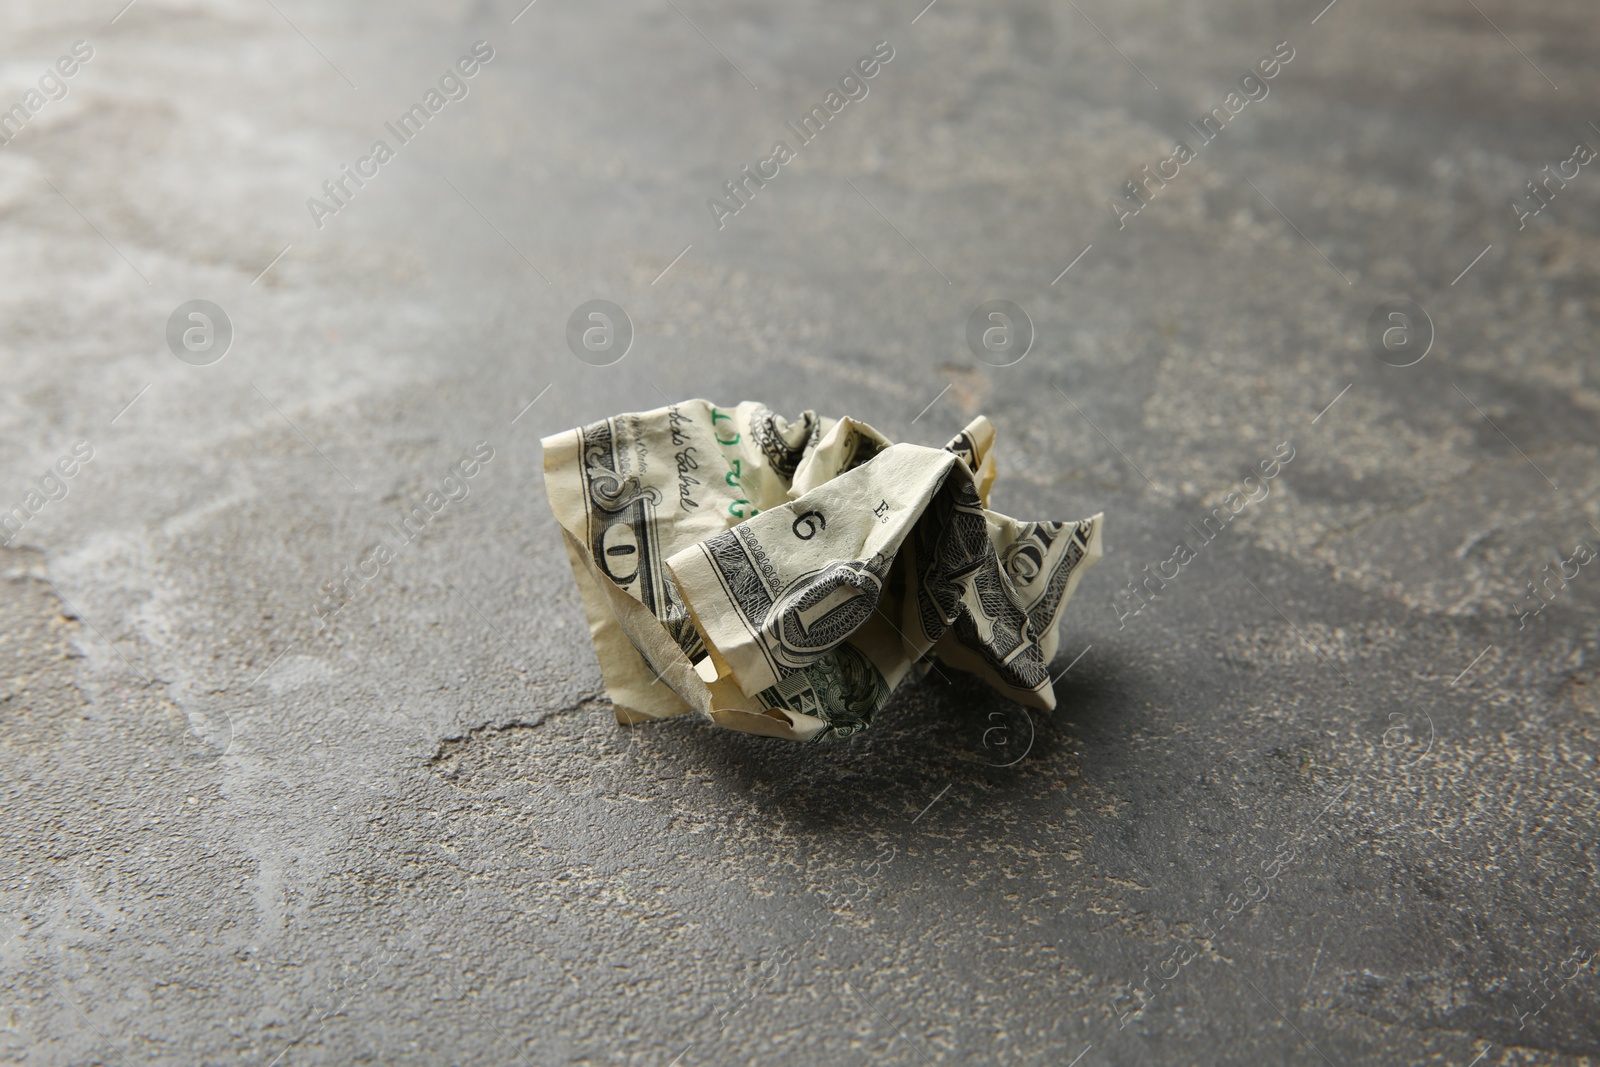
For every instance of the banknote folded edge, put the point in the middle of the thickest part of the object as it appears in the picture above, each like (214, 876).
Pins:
(688, 649)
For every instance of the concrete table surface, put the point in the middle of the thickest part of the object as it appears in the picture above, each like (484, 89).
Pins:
(1325, 793)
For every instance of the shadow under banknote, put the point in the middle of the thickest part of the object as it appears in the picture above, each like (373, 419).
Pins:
(933, 734)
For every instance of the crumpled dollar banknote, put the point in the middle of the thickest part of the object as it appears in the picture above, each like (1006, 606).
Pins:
(784, 577)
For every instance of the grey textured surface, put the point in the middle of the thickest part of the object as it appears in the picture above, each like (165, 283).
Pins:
(233, 836)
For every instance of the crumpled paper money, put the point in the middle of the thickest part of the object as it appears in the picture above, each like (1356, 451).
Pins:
(783, 578)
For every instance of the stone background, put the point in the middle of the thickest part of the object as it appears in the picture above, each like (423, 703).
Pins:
(233, 836)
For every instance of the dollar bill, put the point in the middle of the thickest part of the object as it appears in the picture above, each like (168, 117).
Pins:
(785, 577)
